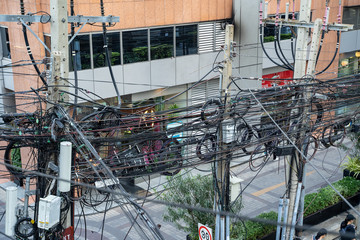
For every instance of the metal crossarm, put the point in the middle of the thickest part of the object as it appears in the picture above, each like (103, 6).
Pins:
(295, 23)
(46, 18)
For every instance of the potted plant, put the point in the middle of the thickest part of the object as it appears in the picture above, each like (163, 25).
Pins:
(352, 167)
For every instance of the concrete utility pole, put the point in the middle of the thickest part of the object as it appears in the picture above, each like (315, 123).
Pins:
(222, 198)
(59, 51)
(299, 72)
(301, 69)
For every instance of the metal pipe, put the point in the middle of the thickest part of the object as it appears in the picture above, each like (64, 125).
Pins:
(222, 232)
(227, 227)
(286, 209)
(26, 198)
(278, 228)
(10, 217)
(293, 222)
(217, 227)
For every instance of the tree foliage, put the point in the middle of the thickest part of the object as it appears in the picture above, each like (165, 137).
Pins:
(197, 191)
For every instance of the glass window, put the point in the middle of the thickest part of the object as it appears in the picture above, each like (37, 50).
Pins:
(82, 53)
(5, 42)
(99, 55)
(162, 43)
(135, 46)
(186, 40)
(352, 16)
(285, 32)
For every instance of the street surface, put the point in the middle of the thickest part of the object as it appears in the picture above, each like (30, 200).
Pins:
(262, 194)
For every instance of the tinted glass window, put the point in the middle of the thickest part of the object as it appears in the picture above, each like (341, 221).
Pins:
(186, 40)
(135, 46)
(352, 16)
(81, 52)
(99, 55)
(285, 32)
(162, 43)
(5, 42)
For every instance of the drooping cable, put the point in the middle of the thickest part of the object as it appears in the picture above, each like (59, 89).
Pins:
(261, 38)
(278, 45)
(335, 54)
(292, 34)
(277, 35)
(107, 54)
(337, 39)
(22, 10)
(74, 53)
(325, 20)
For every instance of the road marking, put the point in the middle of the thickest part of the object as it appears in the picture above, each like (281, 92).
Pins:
(268, 189)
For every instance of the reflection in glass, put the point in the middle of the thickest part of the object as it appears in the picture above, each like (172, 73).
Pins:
(82, 53)
(135, 46)
(99, 55)
(352, 16)
(186, 40)
(162, 43)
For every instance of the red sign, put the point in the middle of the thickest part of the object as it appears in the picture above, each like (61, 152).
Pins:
(205, 233)
(68, 234)
(270, 79)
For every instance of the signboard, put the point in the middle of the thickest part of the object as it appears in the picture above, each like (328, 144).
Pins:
(205, 233)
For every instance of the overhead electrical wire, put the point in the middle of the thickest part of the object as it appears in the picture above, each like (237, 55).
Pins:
(107, 55)
(22, 10)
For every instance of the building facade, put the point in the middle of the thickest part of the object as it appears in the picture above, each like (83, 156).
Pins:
(157, 49)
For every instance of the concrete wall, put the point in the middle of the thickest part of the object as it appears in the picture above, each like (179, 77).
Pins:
(350, 41)
(133, 14)
(248, 62)
(146, 76)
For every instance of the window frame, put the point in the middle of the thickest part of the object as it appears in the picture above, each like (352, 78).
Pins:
(122, 43)
(173, 41)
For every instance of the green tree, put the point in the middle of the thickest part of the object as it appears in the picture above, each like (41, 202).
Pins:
(197, 191)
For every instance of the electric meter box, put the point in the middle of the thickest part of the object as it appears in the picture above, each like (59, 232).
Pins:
(49, 212)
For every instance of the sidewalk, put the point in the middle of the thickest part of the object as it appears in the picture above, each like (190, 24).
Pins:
(332, 225)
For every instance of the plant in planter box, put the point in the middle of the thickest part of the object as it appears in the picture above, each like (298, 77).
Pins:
(352, 166)
(326, 196)
(254, 230)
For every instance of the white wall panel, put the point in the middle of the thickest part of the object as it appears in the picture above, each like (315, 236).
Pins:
(162, 73)
(85, 81)
(136, 77)
(187, 69)
(207, 61)
(349, 41)
(103, 84)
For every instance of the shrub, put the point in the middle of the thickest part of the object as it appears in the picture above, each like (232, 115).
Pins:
(353, 165)
(326, 196)
(198, 191)
(254, 230)
(314, 202)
